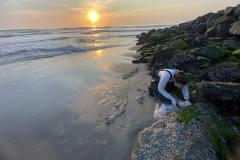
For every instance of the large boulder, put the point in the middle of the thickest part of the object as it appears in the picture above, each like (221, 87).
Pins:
(212, 53)
(184, 27)
(143, 38)
(215, 39)
(200, 19)
(235, 29)
(232, 44)
(183, 61)
(211, 19)
(220, 13)
(199, 28)
(200, 40)
(211, 31)
(158, 37)
(222, 30)
(225, 20)
(203, 60)
(195, 40)
(160, 58)
(229, 11)
(203, 51)
(225, 73)
(174, 30)
(220, 27)
(225, 95)
(179, 44)
(237, 53)
(172, 140)
(236, 13)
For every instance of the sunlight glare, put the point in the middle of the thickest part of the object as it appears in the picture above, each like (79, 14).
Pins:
(93, 16)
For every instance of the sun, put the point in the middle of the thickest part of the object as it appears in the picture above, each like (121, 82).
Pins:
(93, 16)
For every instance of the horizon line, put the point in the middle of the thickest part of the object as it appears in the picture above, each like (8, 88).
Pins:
(87, 27)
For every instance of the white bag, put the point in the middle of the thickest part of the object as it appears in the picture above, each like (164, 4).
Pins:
(162, 110)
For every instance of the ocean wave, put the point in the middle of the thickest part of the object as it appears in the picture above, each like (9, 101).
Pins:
(24, 34)
(113, 30)
(33, 54)
(56, 42)
(80, 30)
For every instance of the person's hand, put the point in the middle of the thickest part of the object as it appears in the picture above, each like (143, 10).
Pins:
(184, 103)
(174, 102)
(181, 103)
(187, 103)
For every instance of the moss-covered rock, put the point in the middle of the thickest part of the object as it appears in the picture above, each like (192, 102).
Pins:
(223, 94)
(214, 53)
(161, 57)
(184, 61)
(231, 44)
(220, 134)
(237, 53)
(144, 38)
(187, 114)
(221, 53)
(203, 59)
(179, 45)
(184, 27)
(159, 37)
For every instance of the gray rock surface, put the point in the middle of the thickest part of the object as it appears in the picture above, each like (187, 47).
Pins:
(199, 28)
(203, 51)
(225, 73)
(225, 20)
(211, 31)
(183, 61)
(235, 29)
(232, 43)
(225, 95)
(171, 140)
(236, 13)
(222, 30)
(229, 11)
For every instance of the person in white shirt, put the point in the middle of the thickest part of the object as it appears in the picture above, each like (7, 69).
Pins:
(173, 77)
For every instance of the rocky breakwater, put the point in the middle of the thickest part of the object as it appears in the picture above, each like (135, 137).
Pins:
(208, 50)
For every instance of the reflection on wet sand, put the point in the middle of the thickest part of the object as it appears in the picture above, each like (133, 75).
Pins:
(61, 114)
(62, 136)
(98, 54)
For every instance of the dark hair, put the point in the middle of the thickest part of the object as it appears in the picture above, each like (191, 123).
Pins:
(181, 77)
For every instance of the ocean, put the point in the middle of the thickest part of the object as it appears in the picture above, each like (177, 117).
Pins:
(31, 44)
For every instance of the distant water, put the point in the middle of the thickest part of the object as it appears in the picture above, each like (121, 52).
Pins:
(31, 44)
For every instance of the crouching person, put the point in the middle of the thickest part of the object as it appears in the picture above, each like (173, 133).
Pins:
(170, 80)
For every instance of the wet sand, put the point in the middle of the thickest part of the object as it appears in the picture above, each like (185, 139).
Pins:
(73, 107)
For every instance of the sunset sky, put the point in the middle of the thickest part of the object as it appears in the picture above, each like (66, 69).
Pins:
(73, 13)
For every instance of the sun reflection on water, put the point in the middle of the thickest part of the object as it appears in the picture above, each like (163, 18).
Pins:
(96, 35)
(98, 54)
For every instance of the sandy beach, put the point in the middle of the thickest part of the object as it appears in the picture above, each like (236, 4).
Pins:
(73, 106)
